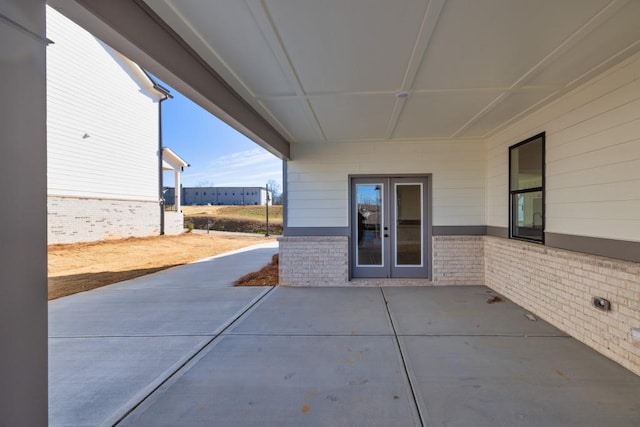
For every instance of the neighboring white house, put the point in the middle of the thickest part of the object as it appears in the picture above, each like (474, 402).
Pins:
(103, 130)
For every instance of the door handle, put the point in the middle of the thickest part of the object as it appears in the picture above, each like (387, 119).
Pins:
(386, 235)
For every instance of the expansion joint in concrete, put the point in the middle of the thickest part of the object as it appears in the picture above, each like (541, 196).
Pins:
(199, 350)
(412, 387)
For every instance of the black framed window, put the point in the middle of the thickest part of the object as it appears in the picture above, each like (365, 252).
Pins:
(526, 189)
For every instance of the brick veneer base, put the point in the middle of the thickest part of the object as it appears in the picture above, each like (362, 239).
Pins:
(72, 219)
(458, 260)
(558, 286)
(314, 261)
(173, 222)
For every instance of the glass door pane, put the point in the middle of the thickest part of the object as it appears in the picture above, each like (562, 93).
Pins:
(370, 248)
(408, 224)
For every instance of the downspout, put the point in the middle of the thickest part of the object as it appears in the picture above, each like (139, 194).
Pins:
(165, 95)
(160, 169)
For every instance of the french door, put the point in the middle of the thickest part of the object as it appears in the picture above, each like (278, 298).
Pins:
(389, 227)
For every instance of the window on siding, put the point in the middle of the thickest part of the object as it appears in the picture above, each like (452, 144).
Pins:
(196, 193)
(526, 189)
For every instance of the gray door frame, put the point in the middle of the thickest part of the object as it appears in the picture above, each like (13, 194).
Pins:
(427, 220)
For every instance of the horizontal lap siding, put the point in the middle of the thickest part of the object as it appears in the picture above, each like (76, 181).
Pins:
(318, 178)
(89, 92)
(592, 158)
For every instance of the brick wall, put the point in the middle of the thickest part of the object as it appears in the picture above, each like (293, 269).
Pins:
(458, 260)
(558, 286)
(73, 219)
(173, 222)
(314, 261)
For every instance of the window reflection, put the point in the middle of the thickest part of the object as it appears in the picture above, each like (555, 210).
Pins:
(369, 219)
(408, 224)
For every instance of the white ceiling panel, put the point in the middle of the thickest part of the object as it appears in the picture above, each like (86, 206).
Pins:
(295, 116)
(509, 107)
(356, 45)
(327, 70)
(440, 114)
(353, 117)
(492, 43)
(618, 33)
(227, 30)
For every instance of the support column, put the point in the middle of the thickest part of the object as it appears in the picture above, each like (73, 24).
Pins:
(23, 217)
(178, 191)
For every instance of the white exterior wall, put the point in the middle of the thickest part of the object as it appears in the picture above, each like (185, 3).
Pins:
(592, 158)
(89, 92)
(318, 178)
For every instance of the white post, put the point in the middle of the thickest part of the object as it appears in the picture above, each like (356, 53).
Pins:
(178, 190)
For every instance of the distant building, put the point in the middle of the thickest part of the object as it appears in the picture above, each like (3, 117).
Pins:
(220, 196)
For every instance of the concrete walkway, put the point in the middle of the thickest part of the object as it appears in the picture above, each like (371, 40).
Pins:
(183, 348)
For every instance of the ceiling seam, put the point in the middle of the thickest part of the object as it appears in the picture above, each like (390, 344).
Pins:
(480, 114)
(571, 41)
(265, 23)
(244, 86)
(605, 13)
(427, 27)
(208, 46)
(191, 51)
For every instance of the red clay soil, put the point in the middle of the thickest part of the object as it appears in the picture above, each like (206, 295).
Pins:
(80, 267)
(266, 276)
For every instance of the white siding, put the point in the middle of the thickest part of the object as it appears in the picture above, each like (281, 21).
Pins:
(89, 92)
(593, 158)
(318, 183)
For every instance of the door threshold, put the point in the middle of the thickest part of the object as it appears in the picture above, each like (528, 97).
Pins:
(390, 282)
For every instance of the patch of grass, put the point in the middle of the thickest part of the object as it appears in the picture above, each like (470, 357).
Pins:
(234, 212)
(246, 219)
(266, 276)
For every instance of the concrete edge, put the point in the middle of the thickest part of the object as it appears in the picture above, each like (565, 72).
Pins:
(137, 398)
(248, 312)
(268, 245)
(244, 311)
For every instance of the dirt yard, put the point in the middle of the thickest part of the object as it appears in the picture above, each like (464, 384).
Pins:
(83, 266)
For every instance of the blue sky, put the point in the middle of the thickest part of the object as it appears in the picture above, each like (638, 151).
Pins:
(218, 154)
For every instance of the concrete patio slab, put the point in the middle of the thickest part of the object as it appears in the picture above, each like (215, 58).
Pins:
(461, 310)
(178, 349)
(109, 348)
(93, 379)
(148, 312)
(517, 382)
(319, 311)
(287, 381)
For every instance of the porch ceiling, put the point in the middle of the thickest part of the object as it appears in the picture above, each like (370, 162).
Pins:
(330, 70)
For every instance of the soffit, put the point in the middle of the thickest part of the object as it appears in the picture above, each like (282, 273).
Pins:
(328, 71)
